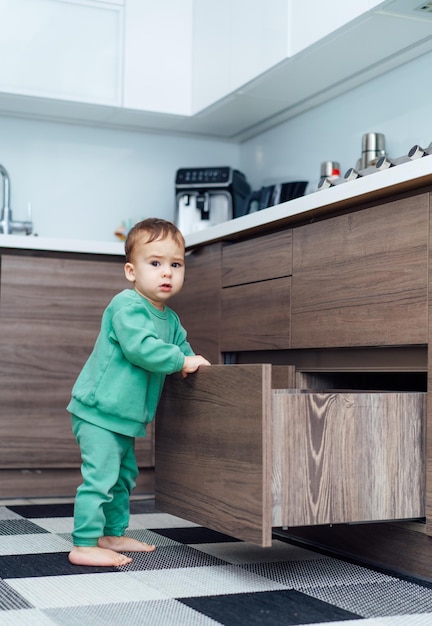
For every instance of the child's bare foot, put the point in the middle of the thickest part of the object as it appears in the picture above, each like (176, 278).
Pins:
(125, 544)
(97, 556)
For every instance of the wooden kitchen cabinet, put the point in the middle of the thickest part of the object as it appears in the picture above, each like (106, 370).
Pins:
(50, 311)
(361, 279)
(198, 303)
(238, 457)
(255, 299)
(337, 445)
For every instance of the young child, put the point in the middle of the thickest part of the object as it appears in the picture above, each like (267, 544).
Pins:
(141, 340)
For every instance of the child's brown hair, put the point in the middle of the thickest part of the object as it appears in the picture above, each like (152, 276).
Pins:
(155, 228)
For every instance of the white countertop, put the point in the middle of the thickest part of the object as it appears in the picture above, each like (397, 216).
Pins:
(405, 176)
(23, 242)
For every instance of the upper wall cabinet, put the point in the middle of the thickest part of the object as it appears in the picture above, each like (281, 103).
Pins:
(158, 56)
(234, 41)
(63, 49)
(311, 21)
(230, 69)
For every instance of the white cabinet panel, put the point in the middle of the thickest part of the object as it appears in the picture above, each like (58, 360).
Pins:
(62, 49)
(158, 55)
(234, 42)
(312, 20)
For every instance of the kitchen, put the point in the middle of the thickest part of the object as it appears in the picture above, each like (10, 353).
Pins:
(83, 165)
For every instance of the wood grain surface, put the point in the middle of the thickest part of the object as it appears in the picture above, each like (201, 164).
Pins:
(260, 258)
(50, 311)
(361, 279)
(256, 316)
(429, 405)
(198, 303)
(347, 457)
(213, 450)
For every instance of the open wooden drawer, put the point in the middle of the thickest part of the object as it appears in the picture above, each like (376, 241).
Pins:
(238, 457)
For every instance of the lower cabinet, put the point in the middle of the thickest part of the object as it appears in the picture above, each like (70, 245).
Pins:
(50, 311)
(237, 456)
(361, 279)
(256, 293)
(198, 303)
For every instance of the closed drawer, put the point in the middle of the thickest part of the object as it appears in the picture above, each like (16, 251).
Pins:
(361, 279)
(248, 322)
(261, 258)
(238, 457)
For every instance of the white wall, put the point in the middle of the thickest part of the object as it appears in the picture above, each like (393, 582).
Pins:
(83, 182)
(397, 104)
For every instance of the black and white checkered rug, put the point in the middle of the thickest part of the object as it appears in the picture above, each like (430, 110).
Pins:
(196, 577)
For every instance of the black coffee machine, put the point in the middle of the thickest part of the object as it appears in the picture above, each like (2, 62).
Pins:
(206, 196)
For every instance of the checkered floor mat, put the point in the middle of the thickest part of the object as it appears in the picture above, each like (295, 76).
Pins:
(196, 577)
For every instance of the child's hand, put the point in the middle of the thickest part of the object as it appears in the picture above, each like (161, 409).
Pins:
(192, 363)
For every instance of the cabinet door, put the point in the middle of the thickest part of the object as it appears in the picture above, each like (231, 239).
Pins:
(50, 311)
(234, 43)
(198, 303)
(361, 279)
(158, 56)
(314, 20)
(61, 49)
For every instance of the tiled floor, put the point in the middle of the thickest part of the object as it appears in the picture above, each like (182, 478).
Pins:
(196, 577)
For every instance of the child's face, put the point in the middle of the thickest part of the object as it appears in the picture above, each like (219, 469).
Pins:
(157, 269)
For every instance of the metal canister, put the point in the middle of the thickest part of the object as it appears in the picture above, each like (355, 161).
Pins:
(373, 147)
(330, 169)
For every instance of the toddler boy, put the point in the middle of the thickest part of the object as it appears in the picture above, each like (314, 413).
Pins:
(141, 340)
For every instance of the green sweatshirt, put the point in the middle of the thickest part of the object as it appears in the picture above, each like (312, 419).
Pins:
(121, 383)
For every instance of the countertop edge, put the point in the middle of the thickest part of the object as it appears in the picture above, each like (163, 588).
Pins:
(399, 179)
(45, 244)
(402, 178)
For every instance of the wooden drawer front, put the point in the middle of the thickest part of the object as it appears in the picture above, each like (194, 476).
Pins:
(347, 457)
(269, 256)
(361, 279)
(256, 316)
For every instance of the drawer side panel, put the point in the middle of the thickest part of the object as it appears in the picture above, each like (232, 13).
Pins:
(213, 450)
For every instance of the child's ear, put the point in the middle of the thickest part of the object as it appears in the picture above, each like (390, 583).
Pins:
(129, 272)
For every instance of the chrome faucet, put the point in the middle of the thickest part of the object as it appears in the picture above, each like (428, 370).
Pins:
(7, 224)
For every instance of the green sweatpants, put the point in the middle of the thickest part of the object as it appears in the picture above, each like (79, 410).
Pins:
(109, 471)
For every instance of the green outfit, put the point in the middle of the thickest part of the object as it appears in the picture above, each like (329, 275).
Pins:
(114, 398)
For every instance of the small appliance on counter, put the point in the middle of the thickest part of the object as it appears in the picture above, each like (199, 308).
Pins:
(274, 194)
(206, 196)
